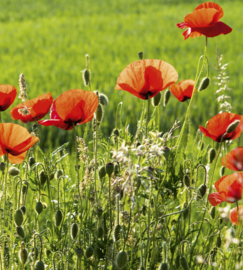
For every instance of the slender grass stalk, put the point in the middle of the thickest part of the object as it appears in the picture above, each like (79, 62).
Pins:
(147, 118)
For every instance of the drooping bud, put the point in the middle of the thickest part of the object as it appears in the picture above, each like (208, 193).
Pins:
(99, 212)
(48, 252)
(156, 99)
(39, 265)
(20, 232)
(23, 254)
(184, 263)
(2, 167)
(13, 171)
(51, 176)
(18, 217)
(59, 173)
(232, 127)
(102, 172)
(79, 252)
(86, 77)
(99, 232)
(103, 99)
(42, 177)
(24, 189)
(109, 168)
(212, 212)
(58, 218)
(187, 181)
(99, 113)
(89, 252)
(166, 97)
(115, 132)
(200, 145)
(31, 161)
(39, 207)
(201, 192)
(23, 209)
(177, 261)
(164, 266)
(117, 232)
(140, 55)
(186, 212)
(204, 84)
(222, 171)
(211, 155)
(74, 230)
(121, 259)
(218, 242)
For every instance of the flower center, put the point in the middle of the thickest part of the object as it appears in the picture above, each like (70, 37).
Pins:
(24, 111)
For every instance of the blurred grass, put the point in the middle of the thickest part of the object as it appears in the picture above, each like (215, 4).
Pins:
(48, 40)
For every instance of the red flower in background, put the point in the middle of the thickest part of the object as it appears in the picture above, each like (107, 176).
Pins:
(183, 90)
(32, 110)
(233, 216)
(234, 159)
(15, 140)
(204, 20)
(72, 107)
(7, 96)
(218, 125)
(229, 189)
(146, 78)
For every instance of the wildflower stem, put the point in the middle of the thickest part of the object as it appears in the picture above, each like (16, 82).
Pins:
(147, 119)
(1, 120)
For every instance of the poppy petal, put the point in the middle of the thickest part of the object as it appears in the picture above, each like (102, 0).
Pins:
(17, 159)
(57, 123)
(234, 159)
(217, 29)
(233, 216)
(183, 90)
(208, 5)
(7, 96)
(207, 134)
(215, 199)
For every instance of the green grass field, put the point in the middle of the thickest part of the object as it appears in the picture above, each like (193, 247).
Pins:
(48, 40)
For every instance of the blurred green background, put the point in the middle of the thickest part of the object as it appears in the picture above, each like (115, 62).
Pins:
(47, 41)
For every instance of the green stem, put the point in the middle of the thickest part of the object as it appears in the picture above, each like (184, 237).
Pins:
(147, 119)
(1, 120)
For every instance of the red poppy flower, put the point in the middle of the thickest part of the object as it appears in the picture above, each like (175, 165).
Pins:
(32, 110)
(146, 78)
(233, 216)
(15, 140)
(183, 90)
(234, 159)
(218, 125)
(7, 96)
(73, 106)
(229, 189)
(204, 20)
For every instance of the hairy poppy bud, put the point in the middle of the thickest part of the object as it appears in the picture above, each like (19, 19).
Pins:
(211, 155)
(42, 177)
(186, 212)
(99, 232)
(48, 252)
(232, 127)
(201, 192)
(23, 209)
(58, 218)
(141, 268)
(109, 168)
(89, 252)
(79, 252)
(99, 213)
(2, 167)
(97, 93)
(222, 171)
(212, 212)
(13, 171)
(99, 113)
(140, 55)
(115, 132)
(177, 261)
(121, 259)
(18, 217)
(200, 145)
(163, 266)
(59, 173)
(23, 255)
(103, 99)
(204, 84)
(20, 232)
(184, 263)
(24, 189)
(102, 172)
(218, 242)
(31, 161)
(74, 230)
(86, 77)
(156, 99)
(51, 176)
(39, 207)
(117, 232)
(39, 265)
(187, 181)
(166, 97)
(116, 169)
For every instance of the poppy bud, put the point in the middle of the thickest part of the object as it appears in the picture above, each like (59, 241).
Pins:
(89, 252)
(212, 212)
(144, 208)
(99, 232)
(18, 217)
(79, 252)
(116, 169)
(102, 172)
(59, 173)
(51, 176)
(163, 266)
(204, 84)
(2, 167)
(39, 207)
(121, 259)
(99, 113)
(74, 230)
(24, 189)
(186, 212)
(201, 192)
(109, 168)
(58, 218)
(23, 255)
(99, 213)
(137, 183)
(211, 155)
(184, 263)
(232, 127)
(31, 161)
(86, 77)
(97, 93)
(166, 152)
(117, 233)
(218, 242)
(48, 252)
(187, 181)
(140, 55)
(177, 261)
(103, 99)
(156, 99)
(44, 205)
(42, 177)
(13, 171)
(20, 232)
(141, 268)
(200, 145)
(39, 265)
(23, 209)
(166, 97)
(115, 132)
(222, 171)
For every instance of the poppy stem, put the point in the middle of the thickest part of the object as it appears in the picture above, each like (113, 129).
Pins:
(147, 120)
(1, 120)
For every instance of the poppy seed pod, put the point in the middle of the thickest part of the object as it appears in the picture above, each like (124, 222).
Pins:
(74, 230)
(184, 263)
(39, 265)
(79, 252)
(204, 84)
(23, 255)
(31, 161)
(211, 155)
(103, 99)
(164, 266)
(222, 171)
(109, 168)
(156, 99)
(20, 232)
(86, 77)
(13, 171)
(42, 177)
(166, 97)
(39, 207)
(89, 252)
(99, 232)
(232, 127)
(187, 181)
(140, 55)
(18, 217)
(121, 259)
(102, 172)
(58, 218)
(2, 167)
(212, 212)
(117, 232)
(23, 209)
(99, 113)
(201, 192)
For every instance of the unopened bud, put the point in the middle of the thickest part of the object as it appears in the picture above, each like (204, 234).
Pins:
(200, 145)
(18, 217)
(42, 177)
(79, 252)
(166, 97)
(89, 252)
(23, 255)
(31, 161)
(39, 265)
(204, 84)
(99, 232)
(86, 77)
(59, 173)
(212, 212)
(20, 232)
(211, 155)
(115, 132)
(156, 99)
(184, 263)
(201, 192)
(187, 181)
(109, 168)
(39, 207)
(99, 113)
(2, 167)
(58, 218)
(102, 172)
(103, 99)
(163, 266)
(121, 259)
(117, 232)
(23, 209)
(186, 212)
(222, 171)
(74, 230)
(232, 127)
(218, 242)
(140, 55)
(13, 171)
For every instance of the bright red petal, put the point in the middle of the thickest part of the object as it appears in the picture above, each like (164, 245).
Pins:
(234, 159)
(215, 199)
(209, 5)
(233, 216)
(207, 134)
(217, 29)
(57, 123)
(17, 159)
(7, 96)
(201, 17)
